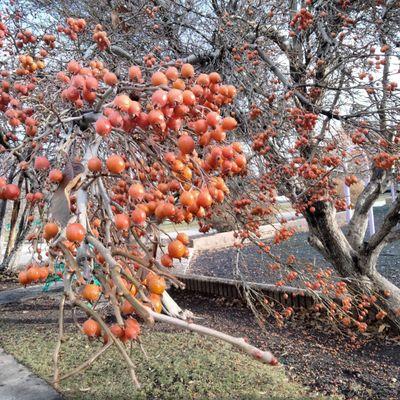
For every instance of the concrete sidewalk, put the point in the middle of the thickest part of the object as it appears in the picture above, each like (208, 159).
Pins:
(30, 292)
(18, 383)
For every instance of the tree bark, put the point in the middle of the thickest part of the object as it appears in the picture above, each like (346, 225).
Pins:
(323, 225)
(16, 248)
(357, 265)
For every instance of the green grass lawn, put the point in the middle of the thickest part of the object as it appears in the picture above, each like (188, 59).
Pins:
(180, 366)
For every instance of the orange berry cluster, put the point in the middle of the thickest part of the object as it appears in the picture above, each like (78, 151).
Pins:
(75, 26)
(101, 38)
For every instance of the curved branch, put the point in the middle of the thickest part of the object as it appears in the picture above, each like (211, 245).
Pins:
(390, 221)
(260, 355)
(359, 220)
(85, 364)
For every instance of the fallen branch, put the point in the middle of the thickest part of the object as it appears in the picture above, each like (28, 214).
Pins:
(260, 355)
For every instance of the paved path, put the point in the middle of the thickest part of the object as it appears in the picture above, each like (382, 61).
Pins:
(30, 292)
(18, 383)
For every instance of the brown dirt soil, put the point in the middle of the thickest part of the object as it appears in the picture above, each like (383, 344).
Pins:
(8, 281)
(317, 355)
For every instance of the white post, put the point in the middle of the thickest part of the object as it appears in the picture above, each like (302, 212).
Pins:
(393, 191)
(347, 197)
(371, 219)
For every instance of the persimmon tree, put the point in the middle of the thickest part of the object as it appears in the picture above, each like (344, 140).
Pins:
(103, 154)
(318, 98)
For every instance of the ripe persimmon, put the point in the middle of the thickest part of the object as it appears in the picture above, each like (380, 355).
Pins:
(50, 230)
(55, 175)
(156, 284)
(132, 329)
(103, 126)
(116, 330)
(94, 164)
(159, 98)
(166, 261)
(203, 80)
(175, 97)
(155, 300)
(183, 237)
(115, 164)
(138, 216)
(168, 210)
(91, 328)
(110, 79)
(200, 126)
(10, 192)
(215, 77)
(23, 278)
(121, 222)
(115, 119)
(188, 97)
(176, 249)
(179, 84)
(186, 144)
(187, 198)
(187, 71)
(229, 123)
(122, 102)
(213, 119)
(135, 74)
(136, 191)
(41, 163)
(43, 273)
(127, 308)
(172, 73)
(91, 292)
(33, 273)
(159, 78)
(75, 232)
(204, 199)
(73, 67)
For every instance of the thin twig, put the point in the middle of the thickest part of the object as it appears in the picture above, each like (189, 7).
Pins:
(57, 349)
(85, 364)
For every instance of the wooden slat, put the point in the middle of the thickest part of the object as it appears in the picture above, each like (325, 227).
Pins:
(232, 289)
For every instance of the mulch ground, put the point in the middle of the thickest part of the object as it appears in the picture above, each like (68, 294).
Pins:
(252, 264)
(313, 353)
(8, 282)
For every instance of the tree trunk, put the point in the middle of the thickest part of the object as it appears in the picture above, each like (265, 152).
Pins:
(357, 266)
(3, 209)
(13, 228)
(16, 248)
(3, 206)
